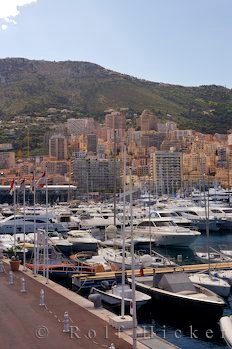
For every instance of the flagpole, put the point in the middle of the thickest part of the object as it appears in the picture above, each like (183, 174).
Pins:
(24, 227)
(46, 237)
(35, 238)
(14, 188)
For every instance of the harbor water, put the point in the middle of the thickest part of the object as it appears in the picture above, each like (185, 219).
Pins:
(195, 336)
(208, 336)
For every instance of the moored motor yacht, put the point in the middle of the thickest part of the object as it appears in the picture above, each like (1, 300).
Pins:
(12, 223)
(174, 294)
(213, 257)
(172, 215)
(163, 232)
(197, 216)
(98, 220)
(82, 240)
(115, 256)
(113, 296)
(213, 283)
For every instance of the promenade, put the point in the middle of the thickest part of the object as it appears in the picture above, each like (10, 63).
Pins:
(26, 325)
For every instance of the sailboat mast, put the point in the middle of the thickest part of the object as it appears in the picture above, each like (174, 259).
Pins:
(206, 206)
(134, 316)
(24, 227)
(123, 235)
(35, 236)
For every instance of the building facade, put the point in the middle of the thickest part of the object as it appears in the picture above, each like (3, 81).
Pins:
(166, 171)
(92, 175)
(58, 147)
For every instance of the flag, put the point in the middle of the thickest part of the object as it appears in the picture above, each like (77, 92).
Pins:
(22, 185)
(41, 181)
(12, 187)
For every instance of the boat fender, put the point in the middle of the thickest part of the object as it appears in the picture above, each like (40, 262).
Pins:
(96, 299)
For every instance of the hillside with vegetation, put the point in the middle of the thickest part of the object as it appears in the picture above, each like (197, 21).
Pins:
(30, 86)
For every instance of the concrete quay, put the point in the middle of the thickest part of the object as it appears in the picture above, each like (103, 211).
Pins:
(25, 324)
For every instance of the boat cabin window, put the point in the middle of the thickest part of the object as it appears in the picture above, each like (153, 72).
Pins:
(168, 214)
(215, 210)
(227, 211)
(164, 224)
(191, 212)
(179, 214)
(145, 224)
(65, 219)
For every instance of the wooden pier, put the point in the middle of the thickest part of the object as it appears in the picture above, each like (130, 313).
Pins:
(109, 275)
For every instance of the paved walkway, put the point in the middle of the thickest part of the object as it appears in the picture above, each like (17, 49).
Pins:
(26, 325)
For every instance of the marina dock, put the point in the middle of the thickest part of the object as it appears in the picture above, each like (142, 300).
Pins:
(26, 324)
(85, 279)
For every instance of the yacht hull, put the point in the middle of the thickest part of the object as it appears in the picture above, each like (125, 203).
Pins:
(189, 310)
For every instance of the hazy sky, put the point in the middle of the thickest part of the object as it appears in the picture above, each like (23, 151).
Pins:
(186, 42)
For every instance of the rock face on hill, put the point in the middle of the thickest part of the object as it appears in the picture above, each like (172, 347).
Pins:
(28, 86)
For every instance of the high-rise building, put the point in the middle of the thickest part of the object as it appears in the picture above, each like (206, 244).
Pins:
(57, 167)
(82, 126)
(7, 156)
(92, 143)
(93, 175)
(58, 147)
(166, 171)
(115, 120)
(152, 139)
(148, 121)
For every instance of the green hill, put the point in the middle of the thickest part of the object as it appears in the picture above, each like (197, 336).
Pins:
(28, 86)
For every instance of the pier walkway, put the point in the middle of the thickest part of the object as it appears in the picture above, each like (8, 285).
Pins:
(24, 324)
(109, 275)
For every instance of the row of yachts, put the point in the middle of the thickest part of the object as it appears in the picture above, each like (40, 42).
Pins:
(176, 223)
(90, 228)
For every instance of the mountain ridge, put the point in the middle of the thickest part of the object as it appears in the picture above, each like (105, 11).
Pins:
(28, 86)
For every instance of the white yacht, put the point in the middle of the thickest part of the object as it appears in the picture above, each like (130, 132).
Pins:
(225, 214)
(66, 218)
(99, 221)
(163, 232)
(12, 223)
(115, 256)
(82, 240)
(214, 257)
(113, 296)
(172, 215)
(213, 283)
(197, 216)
